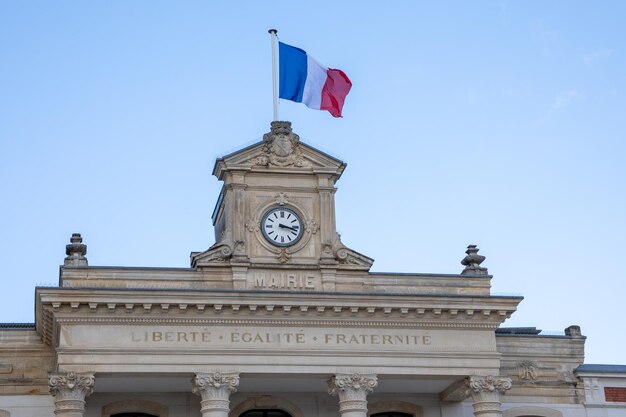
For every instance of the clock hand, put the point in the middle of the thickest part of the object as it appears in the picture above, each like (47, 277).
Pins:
(287, 227)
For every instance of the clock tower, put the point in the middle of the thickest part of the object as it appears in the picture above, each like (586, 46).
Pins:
(276, 213)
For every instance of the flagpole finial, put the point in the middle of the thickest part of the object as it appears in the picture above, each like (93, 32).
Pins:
(272, 31)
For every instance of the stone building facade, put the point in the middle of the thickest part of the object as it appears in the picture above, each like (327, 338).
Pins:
(280, 319)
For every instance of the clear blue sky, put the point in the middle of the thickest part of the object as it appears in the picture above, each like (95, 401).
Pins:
(492, 122)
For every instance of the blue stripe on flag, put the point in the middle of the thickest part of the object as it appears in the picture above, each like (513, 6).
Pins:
(292, 69)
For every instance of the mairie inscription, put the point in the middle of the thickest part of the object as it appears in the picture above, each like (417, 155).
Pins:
(284, 280)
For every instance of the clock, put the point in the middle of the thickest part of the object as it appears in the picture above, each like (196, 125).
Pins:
(282, 226)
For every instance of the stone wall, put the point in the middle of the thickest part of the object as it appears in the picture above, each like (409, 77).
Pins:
(24, 362)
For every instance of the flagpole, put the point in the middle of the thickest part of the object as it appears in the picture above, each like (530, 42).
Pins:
(273, 33)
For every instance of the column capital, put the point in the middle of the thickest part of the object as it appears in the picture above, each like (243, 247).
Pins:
(485, 391)
(352, 390)
(489, 384)
(215, 381)
(215, 388)
(70, 390)
(341, 383)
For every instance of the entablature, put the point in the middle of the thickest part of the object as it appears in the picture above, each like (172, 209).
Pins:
(58, 305)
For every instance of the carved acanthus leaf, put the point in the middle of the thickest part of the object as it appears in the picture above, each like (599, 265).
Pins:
(354, 382)
(215, 381)
(71, 385)
(489, 383)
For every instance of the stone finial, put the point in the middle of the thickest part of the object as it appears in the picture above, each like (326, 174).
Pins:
(472, 262)
(76, 251)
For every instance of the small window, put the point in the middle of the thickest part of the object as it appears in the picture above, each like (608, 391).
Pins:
(265, 413)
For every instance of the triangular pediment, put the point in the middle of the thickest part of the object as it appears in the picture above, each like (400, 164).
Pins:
(280, 150)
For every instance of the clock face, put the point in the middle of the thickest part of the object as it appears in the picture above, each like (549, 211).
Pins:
(282, 226)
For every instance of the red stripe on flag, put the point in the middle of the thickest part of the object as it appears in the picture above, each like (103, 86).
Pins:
(336, 88)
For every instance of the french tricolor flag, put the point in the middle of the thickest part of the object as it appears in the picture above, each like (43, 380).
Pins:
(304, 80)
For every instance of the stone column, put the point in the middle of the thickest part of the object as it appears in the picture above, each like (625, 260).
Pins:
(352, 391)
(485, 392)
(70, 390)
(215, 389)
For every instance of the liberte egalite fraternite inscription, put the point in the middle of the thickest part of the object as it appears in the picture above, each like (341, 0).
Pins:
(239, 337)
(259, 337)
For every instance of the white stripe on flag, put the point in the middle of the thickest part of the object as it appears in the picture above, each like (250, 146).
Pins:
(315, 80)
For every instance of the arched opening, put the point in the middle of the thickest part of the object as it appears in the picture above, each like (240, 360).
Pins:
(134, 408)
(392, 408)
(392, 414)
(531, 412)
(266, 403)
(265, 413)
(133, 415)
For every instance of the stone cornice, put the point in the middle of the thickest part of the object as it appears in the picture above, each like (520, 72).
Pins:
(48, 294)
(273, 322)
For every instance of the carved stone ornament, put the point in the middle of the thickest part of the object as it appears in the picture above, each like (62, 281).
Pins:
(215, 388)
(353, 383)
(489, 384)
(486, 392)
(281, 199)
(352, 391)
(240, 246)
(75, 251)
(527, 370)
(281, 148)
(283, 256)
(349, 258)
(215, 255)
(215, 381)
(312, 227)
(219, 253)
(79, 384)
(472, 262)
(253, 226)
(70, 390)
